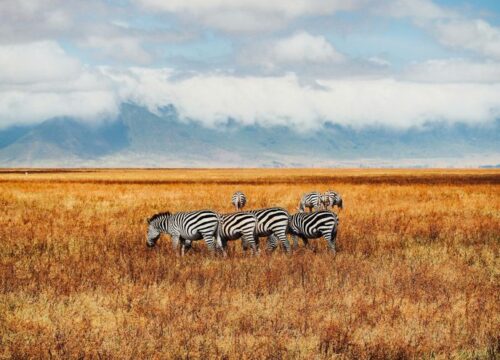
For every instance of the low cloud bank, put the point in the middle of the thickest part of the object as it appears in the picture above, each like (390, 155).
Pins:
(59, 85)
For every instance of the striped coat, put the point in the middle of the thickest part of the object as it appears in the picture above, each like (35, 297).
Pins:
(184, 227)
(311, 200)
(332, 198)
(314, 225)
(237, 225)
(272, 222)
(239, 200)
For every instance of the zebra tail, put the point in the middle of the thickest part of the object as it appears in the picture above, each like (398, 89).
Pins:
(218, 235)
(302, 206)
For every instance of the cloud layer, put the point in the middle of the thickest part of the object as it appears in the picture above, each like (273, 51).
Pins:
(284, 101)
(55, 84)
(247, 15)
(280, 62)
(50, 84)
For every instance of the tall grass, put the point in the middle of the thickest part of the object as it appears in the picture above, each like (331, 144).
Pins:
(417, 272)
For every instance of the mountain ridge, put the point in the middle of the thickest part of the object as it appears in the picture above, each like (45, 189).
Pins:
(140, 138)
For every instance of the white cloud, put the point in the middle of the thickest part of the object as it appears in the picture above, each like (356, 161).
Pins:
(23, 107)
(39, 81)
(450, 27)
(476, 35)
(419, 9)
(85, 24)
(264, 15)
(119, 47)
(32, 20)
(35, 62)
(304, 47)
(212, 99)
(453, 71)
(290, 8)
(247, 15)
(298, 49)
(379, 61)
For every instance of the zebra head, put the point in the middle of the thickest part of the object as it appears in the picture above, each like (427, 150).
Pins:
(156, 225)
(339, 203)
(334, 199)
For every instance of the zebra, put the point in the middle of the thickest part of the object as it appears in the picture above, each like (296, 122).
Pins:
(184, 227)
(312, 226)
(331, 198)
(311, 200)
(239, 200)
(272, 222)
(237, 225)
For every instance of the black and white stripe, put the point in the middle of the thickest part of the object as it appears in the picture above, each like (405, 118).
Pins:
(272, 221)
(314, 225)
(239, 200)
(184, 227)
(238, 225)
(332, 198)
(311, 200)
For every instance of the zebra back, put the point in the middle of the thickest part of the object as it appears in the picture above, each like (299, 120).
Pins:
(239, 200)
(185, 223)
(269, 219)
(310, 200)
(240, 222)
(310, 224)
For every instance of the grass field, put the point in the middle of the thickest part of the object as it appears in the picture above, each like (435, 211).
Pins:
(417, 273)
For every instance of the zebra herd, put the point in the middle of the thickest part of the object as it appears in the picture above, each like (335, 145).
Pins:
(274, 223)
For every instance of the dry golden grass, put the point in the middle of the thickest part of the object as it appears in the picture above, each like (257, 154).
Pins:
(417, 272)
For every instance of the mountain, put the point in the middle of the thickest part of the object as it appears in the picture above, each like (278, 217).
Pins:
(140, 138)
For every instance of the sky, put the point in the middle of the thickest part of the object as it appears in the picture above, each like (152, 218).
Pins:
(299, 63)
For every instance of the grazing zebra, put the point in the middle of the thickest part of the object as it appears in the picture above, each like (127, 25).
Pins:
(310, 200)
(272, 221)
(237, 225)
(239, 200)
(331, 198)
(184, 227)
(312, 226)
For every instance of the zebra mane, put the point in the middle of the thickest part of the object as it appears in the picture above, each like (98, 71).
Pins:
(156, 216)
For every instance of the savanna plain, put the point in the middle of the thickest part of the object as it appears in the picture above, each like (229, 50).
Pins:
(416, 274)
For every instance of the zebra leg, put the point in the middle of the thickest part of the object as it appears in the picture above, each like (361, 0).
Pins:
(295, 242)
(256, 239)
(223, 248)
(244, 245)
(305, 241)
(281, 235)
(330, 238)
(186, 245)
(249, 240)
(272, 243)
(210, 241)
(175, 244)
(221, 245)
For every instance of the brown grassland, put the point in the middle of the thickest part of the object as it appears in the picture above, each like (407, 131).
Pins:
(417, 273)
